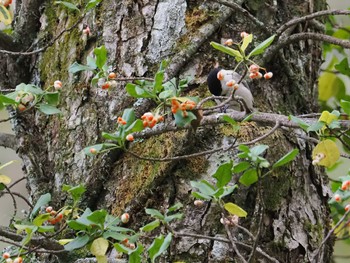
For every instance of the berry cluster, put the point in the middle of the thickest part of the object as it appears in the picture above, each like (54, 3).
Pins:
(184, 106)
(8, 258)
(149, 120)
(24, 99)
(55, 217)
(126, 243)
(345, 187)
(230, 220)
(121, 121)
(255, 72)
(110, 83)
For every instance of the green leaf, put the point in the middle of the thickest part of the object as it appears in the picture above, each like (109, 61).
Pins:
(150, 226)
(76, 67)
(42, 201)
(300, 122)
(204, 186)
(92, 4)
(98, 217)
(329, 152)
(249, 177)
(345, 106)
(77, 242)
(40, 219)
(154, 213)
(52, 98)
(99, 247)
(226, 191)
(223, 174)
(101, 56)
(182, 121)
(343, 67)
(246, 41)
(48, 109)
(201, 196)
(45, 229)
(232, 52)
(286, 158)
(135, 256)
(70, 6)
(316, 126)
(241, 167)
(262, 46)
(231, 121)
(259, 149)
(7, 100)
(129, 116)
(175, 207)
(136, 126)
(115, 235)
(73, 224)
(138, 92)
(158, 80)
(234, 209)
(159, 246)
(170, 218)
(166, 94)
(75, 191)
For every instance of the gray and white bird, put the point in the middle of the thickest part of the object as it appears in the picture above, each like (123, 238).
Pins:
(221, 82)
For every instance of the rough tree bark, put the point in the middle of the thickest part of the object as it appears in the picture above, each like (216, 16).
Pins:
(138, 35)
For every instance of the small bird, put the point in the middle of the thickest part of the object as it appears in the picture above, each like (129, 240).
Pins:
(221, 82)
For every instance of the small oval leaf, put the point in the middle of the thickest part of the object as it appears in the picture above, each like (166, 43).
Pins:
(234, 209)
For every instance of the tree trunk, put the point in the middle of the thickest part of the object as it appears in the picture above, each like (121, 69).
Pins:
(138, 35)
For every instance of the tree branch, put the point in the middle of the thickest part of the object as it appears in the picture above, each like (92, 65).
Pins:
(303, 36)
(8, 141)
(309, 17)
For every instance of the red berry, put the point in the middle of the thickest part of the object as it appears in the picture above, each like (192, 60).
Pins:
(231, 83)
(93, 151)
(337, 198)
(6, 255)
(268, 75)
(254, 68)
(53, 213)
(21, 107)
(228, 42)
(106, 85)
(244, 34)
(347, 207)
(48, 209)
(130, 138)
(18, 260)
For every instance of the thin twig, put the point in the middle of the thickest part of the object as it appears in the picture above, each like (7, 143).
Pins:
(28, 53)
(8, 119)
(245, 12)
(304, 36)
(18, 181)
(22, 197)
(309, 17)
(14, 203)
(329, 235)
(224, 148)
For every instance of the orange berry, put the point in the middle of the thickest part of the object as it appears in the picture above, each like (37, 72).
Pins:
(93, 151)
(48, 209)
(21, 107)
(6, 3)
(228, 42)
(6, 255)
(337, 198)
(145, 124)
(268, 75)
(345, 185)
(125, 218)
(132, 246)
(53, 213)
(59, 217)
(254, 68)
(147, 116)
(130, 138)
(236, 86)
(57, 85)
(220, 75)
(160, 118)
(347, 207)
(52, 221)
(230, 83)
(18, 260)
(106, 85)
(112, 75)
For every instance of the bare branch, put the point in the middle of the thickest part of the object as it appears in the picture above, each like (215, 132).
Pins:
(304, 36)
(8, 141)
(309, 17)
